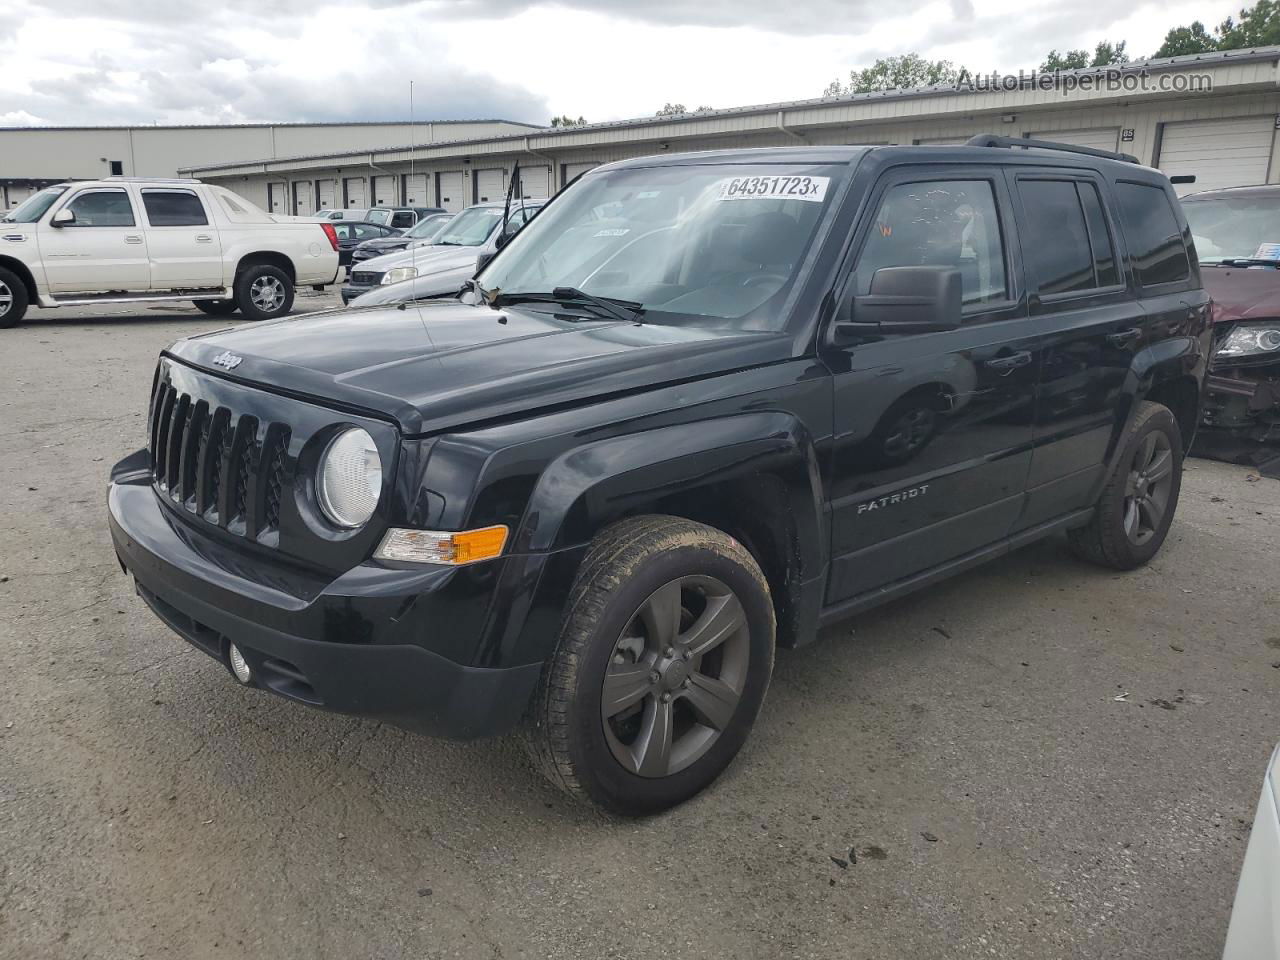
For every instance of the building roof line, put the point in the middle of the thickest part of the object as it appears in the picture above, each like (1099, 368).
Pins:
(263, 126)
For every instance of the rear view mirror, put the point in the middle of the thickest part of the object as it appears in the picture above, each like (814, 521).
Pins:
(63, 218)
(907, 300)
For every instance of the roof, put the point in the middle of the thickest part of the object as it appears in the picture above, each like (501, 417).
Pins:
(1258, 190)
(1218, 58)
(258, 126)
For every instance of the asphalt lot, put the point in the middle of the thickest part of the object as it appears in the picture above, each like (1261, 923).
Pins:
(971, 744)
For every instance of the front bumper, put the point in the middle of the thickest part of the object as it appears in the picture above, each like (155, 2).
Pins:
(350, 291)
(346, 645)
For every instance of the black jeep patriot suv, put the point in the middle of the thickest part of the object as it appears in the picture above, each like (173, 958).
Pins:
(701, 406)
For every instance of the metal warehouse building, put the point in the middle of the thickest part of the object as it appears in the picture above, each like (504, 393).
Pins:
(33, 157)
(1216, 116)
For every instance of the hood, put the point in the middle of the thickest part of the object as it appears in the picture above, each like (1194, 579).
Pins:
(439, 366)
(416, 256)
(1241, 293)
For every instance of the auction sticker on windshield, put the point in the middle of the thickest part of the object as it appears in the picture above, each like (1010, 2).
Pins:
(811, 189)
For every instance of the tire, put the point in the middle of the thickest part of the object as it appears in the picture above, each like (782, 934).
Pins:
(263, 292)
(13, 299)
(1137, 505)
(612, 630)
(216, 308)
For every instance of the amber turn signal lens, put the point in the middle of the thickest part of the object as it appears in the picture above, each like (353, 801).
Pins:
(432, 546)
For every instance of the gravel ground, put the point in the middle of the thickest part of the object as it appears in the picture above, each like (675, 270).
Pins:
(971, 745)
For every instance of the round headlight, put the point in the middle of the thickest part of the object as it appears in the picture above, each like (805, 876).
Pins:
(350, 479)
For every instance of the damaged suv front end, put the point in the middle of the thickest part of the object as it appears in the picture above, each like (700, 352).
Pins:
(1237, 236)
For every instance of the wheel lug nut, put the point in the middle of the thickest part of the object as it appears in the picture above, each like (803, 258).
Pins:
(671, 652)
(654, 677)
(686, 655)
(666, 698)
(687, 682)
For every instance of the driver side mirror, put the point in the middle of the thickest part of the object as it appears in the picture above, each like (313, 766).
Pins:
(904, 300)
(63, 218)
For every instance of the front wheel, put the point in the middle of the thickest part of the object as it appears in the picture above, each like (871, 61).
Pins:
(13, 299)
(263, 292)
(216, 308)
(662, 664)
(1136, 508)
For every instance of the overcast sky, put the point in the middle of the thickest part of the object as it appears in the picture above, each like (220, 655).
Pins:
(177, 61)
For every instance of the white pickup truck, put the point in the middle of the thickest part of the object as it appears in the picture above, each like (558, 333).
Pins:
(127, 239)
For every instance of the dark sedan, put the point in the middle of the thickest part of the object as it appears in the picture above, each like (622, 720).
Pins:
(353, 233)
(421, 234)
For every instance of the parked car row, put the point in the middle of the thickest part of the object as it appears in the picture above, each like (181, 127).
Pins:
(401, 218)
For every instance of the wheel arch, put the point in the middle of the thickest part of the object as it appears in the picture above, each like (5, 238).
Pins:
(273, 258)
(23, 273)
(753, 476)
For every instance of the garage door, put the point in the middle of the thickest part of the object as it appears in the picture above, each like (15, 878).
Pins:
(384, 191)
(278, 197)
(415, 191)
(1097, 138)
(17, 195)
(490, 185)
(326, 191)
(303, 198)
(1219, 153)
(449, 187)
(572, 170)
(353, 187)
(535, 181)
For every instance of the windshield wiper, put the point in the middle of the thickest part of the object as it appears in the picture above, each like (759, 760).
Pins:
(628, 311)
(1242, 262)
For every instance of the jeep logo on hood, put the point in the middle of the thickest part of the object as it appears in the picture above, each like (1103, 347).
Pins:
(227, 359)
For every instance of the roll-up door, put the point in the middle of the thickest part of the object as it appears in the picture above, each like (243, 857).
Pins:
(354, 189)
(326, 191)
(572, 170)
(384, 192)
(278, 197)
(450, 189)
(1218, 153)
(18, 195)
(304, 198)
(1097, 138)
(535, 181)
(490, 185)
(415, 191)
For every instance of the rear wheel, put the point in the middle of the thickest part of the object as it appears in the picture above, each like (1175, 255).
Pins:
(263, 292)
(662, 665)
(13, 299)
(216, 308)
(1136, 508)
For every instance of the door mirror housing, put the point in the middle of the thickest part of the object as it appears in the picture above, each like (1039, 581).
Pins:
(482, 261)
(63, 218)
(905, 300)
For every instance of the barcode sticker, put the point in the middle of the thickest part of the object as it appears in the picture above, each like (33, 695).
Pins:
(809, 189)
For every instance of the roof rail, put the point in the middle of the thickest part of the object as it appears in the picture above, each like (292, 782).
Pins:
(991, 140)
(152, 179)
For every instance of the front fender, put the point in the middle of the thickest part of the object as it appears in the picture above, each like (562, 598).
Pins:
(768, 458)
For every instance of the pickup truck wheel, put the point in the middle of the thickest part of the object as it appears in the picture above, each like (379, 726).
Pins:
(1137, 504)
(662, 664)
(263, 292)
(216, 308)
(13, 299)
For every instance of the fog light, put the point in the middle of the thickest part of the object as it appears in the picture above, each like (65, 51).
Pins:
(239, 665)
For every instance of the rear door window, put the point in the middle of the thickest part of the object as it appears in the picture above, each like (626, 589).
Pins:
(174, 208)
(1066, 243)
(1153, 235)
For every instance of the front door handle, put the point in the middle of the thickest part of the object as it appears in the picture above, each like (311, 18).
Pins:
(204, 238)
(132, 239)
(1006, 365)
(1124, 338)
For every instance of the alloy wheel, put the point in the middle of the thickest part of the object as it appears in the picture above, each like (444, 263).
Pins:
(675, 676)
(1146, 491)
(6, 299)
(267, 293)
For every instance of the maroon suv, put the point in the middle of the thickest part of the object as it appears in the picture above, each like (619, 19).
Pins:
(1237, 237)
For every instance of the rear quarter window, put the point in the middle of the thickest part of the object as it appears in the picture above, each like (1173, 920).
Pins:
(1153, 235)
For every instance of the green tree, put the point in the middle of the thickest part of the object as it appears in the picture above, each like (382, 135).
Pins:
(1070, 60)
(567, 121)
(1184, 41)
(672, 110)
(896, 73)
(1106, 53)
(1258, 26)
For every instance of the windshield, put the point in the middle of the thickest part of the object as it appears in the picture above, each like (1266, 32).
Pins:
(428, 228)
(33, 208)
(717, 244)
(1239, 228)
(470, 228)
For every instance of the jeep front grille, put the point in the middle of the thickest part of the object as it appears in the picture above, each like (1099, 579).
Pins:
(217, 463)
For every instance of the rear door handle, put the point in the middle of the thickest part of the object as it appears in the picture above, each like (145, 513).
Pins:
(132, 239)
(1124, 338)
(1006, 365)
